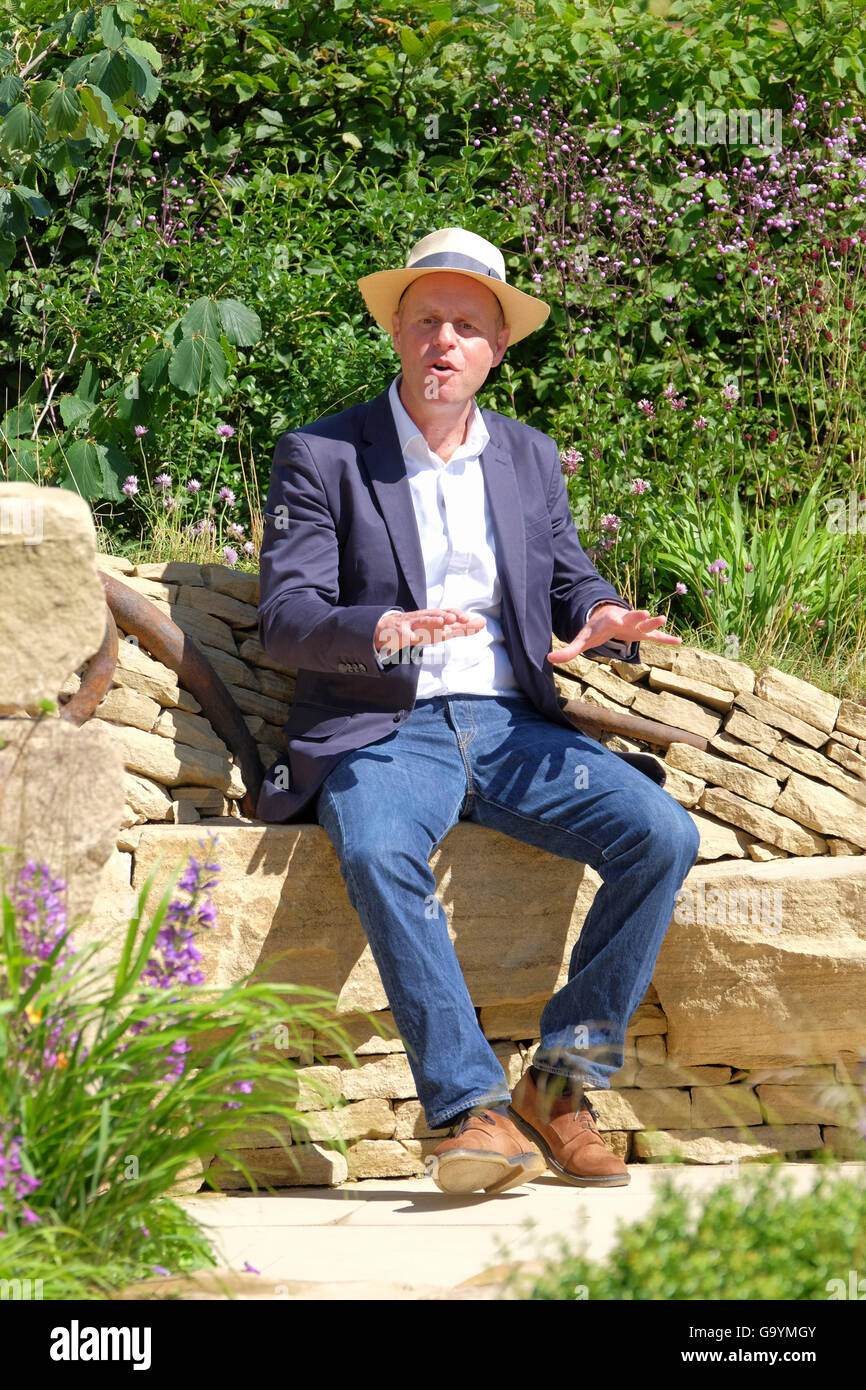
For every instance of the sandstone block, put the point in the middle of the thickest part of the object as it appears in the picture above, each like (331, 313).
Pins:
(114, 562)
(646, 1019)
(237, 583)
(715, 1107)
(815, 707)
(219, 605)
(630, 671)
(818, 1103)
(843, 847)
(170, 572)
(851, 718)
(163, 595)
(741, 752)
(846, 757)
(777, 997)
(742, 726)
(383, 1158)
(640, 1109)
(121, 705)
(672, 1074)
(191, 729)
(135, 668)
(388, 1078)
(146, 798)
(411, 1124)
(723, 1145)
(715, 670)
(170, 763)
(518, 1020)
(692, 689)
(751, 785)
(823, 809)
(762, 853)
(816, 765)
(651, 1050)
(845, 1143)
(364, 1119)
(52, 603)
(202, 628)
(779, 718)
(672, 709)
(763, 823)
(718, 839)
(302, 1165)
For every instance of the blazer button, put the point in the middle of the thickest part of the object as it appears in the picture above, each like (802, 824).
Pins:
(399, 715)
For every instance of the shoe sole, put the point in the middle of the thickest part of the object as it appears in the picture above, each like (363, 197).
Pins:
(467, 1170)
(606, 1180)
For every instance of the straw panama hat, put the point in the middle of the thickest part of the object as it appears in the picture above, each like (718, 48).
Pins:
(452, 248)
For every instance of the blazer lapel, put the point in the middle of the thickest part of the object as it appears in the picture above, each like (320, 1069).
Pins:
(383, 459)
(503, 498)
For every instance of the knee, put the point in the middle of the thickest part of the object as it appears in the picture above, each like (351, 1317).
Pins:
(673, 834)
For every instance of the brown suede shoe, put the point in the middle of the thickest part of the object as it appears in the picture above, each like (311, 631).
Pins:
(564, 1129)
(483, 1150)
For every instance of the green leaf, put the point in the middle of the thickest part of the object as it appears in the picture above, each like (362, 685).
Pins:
(350, 138)
(109, 72)
(37, 204)
(62, 113)
(412, 46)
(201, 317)
(154, 372)
(14, 214)
(198, 364)
(142, 49)
(89, 383)
(11, 91)
(716, 190)
(73, 410)
(85, 471)
(23, 129)
(146, 85)
(112, 32)
(242, 325)
(658, 332)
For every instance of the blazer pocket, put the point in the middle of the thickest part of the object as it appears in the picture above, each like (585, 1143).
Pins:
(535, 526)
(314, 722)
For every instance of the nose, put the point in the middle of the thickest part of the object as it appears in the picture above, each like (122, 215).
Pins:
(446, 335)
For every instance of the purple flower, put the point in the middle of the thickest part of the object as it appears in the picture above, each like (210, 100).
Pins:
(193, 485)
(234, 529)
(647, 408)
(748, 567)
(717, 566)
(224, 431)
(160, 1269)
(251, 1269)
(638, 486)
(249, 548)
(570, 460)
(707, 592)
(162, 481)
(226, 495)
(610, 522)
(701, 423)
(140, 431)
(231, 556)
(130, 487)
(681, 588)
(730, 394)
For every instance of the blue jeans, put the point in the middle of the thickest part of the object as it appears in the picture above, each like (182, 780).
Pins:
(497, 761)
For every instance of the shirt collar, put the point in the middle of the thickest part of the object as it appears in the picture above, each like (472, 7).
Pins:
(414, 445)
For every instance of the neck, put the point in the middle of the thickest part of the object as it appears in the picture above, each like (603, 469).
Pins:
(444, 428)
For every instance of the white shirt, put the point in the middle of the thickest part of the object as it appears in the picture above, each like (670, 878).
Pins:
(458, 545)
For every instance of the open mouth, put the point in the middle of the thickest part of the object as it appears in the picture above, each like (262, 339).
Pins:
(442, 370)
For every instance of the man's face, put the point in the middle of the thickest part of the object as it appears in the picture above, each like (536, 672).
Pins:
(447, 336)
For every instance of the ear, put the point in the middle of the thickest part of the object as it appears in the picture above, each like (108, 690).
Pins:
(501, 345)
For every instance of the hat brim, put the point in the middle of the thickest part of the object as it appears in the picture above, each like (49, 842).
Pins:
(382, 290)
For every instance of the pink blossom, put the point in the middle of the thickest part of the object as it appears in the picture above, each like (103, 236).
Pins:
(130, 487)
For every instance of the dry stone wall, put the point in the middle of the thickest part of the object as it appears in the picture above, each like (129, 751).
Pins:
(750, 1037)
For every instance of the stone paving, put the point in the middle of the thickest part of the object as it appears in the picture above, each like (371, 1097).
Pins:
(403, 1239)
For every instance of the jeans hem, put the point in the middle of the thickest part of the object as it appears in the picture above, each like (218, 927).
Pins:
(589, 1083)
(484, 1099)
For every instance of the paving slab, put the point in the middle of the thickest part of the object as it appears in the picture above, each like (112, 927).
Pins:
(402, 1238)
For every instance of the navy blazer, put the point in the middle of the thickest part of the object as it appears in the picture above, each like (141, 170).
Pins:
(341, 545)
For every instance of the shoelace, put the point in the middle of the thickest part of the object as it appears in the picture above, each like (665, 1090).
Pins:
(457, 1130)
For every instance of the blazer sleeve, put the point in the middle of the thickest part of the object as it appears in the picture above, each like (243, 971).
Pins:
(577, 586)
(301, 623)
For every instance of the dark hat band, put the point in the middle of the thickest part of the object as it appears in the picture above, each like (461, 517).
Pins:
(454, 260)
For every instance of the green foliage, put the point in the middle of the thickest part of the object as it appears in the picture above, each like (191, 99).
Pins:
(118, 1080)
(752, 1239)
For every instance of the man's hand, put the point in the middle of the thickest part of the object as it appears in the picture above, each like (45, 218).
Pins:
(624, 624)
(397, 630)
